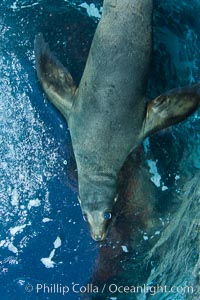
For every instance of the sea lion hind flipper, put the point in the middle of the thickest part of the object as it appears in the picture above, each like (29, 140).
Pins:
(170, 108)
(54, 77)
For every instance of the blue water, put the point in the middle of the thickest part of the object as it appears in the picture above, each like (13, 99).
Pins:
(40, 214)
(37, 167)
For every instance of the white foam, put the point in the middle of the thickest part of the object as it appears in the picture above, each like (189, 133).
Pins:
(2, 243)
(12, 248)
(17, 229)
(47, 261)
(34, 203)
(57, 243)
(157, 232)
(146, 145)
(156, 178)
(125, 249)
(45, 220)
(164, 188)
(25, 141)
(91, 9)
(16, 5)
(15, 197)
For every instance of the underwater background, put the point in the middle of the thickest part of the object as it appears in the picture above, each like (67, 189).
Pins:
(43, 238)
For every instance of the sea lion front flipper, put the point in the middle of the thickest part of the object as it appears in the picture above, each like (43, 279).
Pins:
(54, 77)
(170, 108)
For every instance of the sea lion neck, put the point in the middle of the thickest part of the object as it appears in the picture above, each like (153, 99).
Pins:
(97, 188)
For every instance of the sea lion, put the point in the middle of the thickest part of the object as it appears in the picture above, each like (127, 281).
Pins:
(107, 114)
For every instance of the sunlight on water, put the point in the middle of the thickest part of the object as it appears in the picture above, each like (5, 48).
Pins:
(24, 147)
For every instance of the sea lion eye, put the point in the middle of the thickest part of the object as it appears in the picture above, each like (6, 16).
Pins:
(107, 215)
(85, 217)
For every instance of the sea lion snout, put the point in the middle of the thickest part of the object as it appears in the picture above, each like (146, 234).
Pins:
(99, 223)
(99, 238)
(98, 234)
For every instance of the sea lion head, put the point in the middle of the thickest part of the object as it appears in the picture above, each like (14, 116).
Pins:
(99, 216)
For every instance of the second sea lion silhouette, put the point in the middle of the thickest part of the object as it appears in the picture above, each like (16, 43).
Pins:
(107, 114)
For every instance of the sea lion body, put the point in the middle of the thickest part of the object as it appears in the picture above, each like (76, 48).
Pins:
(107, 114)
